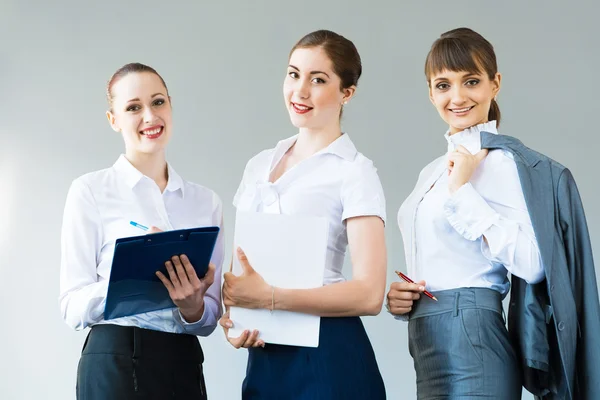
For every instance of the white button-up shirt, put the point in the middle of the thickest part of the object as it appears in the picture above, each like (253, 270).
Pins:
(98, 209)
(337, 183)
(444, 234)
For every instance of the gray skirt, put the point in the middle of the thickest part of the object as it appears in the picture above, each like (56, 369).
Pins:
(460, 347)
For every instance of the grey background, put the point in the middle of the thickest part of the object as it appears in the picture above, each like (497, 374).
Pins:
(224, 63)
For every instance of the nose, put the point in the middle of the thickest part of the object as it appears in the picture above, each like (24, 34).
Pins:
(148, 115)
(302, 88)
(458, 95)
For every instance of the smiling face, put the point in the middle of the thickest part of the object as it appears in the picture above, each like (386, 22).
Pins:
(141, 112)
(312, 90)
(462, 98)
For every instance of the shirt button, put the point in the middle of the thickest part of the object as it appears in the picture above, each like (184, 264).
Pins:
(561, 326)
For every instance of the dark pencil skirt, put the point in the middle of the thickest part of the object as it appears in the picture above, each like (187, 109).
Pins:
(120, 363)
(342, 367)
(460, 347)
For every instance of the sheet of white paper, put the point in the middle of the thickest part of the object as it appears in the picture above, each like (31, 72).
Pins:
(289, 252)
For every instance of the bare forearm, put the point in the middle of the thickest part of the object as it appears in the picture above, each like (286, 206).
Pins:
(344, 299)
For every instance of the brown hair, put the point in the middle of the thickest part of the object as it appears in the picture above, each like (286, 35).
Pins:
(341, 51)
(463, 49)
(126, 70)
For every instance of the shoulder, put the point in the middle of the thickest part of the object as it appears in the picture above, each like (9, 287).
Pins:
(431, 167)
(362, 162)
(521, 152)
(261, 157)
(361, 167)
(201, 194)
(433, 164)
(499, 158)
(92, 181)
(259, 161)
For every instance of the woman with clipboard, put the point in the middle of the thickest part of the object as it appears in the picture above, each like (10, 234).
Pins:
(154, 354)
(317, 172)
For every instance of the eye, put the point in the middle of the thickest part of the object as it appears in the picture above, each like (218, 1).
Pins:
(158, 102)
(472, 82)
(318, 80)
(133, 108)
(293, 74)
(442, 86)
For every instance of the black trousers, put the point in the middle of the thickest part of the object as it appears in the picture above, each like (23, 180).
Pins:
(120, 363)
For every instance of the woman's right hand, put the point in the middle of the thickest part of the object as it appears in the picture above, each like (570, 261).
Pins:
(402, 295)
(246, 340)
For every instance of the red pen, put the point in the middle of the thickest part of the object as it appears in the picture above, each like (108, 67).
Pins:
(407, 279)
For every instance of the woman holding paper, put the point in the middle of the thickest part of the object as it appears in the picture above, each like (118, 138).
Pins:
(317, 172)
(154, 354)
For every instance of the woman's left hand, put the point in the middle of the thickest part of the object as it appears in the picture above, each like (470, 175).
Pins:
(461, 165)
(185, 288)
(249, 290)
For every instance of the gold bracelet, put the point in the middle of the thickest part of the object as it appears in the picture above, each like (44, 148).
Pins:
(272, 299)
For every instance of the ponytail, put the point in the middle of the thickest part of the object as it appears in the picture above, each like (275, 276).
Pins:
(494, 113)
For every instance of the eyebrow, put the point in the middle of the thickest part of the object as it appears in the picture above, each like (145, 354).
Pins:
(311, 72)
(466, 75)
(153, 96)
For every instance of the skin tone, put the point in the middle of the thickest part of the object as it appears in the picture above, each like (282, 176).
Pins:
(313, 98)
(141, 113)
(463, 100)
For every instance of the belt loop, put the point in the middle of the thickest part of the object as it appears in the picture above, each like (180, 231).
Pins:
(137, 342)
(456, 296)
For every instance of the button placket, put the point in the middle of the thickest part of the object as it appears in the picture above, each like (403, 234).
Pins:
(159, 206)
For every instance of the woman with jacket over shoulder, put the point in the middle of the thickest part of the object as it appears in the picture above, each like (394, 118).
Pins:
(464, 226)
(154, 355)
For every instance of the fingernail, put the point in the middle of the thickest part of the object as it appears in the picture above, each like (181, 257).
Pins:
(421, 287)
(228, 324)
(262, 345)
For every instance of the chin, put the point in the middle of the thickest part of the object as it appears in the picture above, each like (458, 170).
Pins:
(460, 124)
(298, 122)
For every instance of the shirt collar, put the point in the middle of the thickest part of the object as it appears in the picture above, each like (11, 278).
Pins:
(342, 147)
(470, 138)
(132, 176)
(175, 181)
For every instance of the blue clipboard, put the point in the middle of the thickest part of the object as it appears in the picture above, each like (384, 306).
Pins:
(134, 287)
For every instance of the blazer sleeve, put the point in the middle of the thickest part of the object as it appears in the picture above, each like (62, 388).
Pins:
(582, 275)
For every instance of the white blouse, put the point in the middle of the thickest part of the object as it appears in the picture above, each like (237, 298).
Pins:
(444, 234)
(337, 182)
(98, 209)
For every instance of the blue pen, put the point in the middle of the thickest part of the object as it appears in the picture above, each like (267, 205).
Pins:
(142, 227)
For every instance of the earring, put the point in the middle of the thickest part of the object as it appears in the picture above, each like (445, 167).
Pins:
(345, 102)
(496, 98)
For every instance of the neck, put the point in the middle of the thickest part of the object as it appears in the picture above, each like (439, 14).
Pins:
(310, 141)
(453, 130)
(154, 166)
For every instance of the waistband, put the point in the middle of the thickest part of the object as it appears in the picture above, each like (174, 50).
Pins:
(457, 299)
(138, 342)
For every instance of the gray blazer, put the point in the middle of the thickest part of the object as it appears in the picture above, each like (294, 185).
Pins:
(554, 325)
